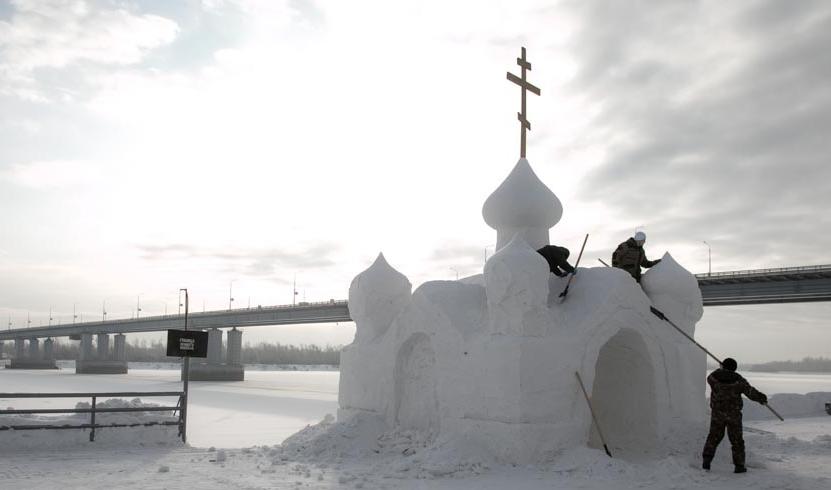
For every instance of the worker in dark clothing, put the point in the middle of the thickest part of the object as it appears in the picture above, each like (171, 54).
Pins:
(557, 259)
(726, 390)
(630, 256)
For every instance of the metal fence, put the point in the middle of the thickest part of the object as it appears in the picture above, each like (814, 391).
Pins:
(93, 410)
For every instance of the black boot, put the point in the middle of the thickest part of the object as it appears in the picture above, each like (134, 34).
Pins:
(706, 464)
(740, 469)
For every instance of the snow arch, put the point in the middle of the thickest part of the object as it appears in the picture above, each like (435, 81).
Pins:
(416, 403)
(624, 394)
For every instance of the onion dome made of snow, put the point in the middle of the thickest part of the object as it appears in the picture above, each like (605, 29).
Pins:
(522, 201)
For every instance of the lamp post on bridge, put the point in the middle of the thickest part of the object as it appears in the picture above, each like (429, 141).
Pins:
(104, 311)
(74, 315)
(138, 305)
(50, 315)
(709, 258)
(456, 271)
(231, 294)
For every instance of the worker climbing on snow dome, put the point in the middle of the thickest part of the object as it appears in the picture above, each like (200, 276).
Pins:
(726, 389)
(630, 256)
(557, 258)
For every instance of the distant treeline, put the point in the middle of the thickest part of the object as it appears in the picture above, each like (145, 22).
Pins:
(808, 364)
(262, 353)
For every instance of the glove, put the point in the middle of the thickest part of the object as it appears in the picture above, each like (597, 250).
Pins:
(764, 399)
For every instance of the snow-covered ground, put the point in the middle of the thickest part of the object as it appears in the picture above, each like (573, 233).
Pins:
(246, 421)
(264, 409)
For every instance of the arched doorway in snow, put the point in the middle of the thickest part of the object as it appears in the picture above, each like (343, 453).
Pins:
(624, 396)
(416, 403)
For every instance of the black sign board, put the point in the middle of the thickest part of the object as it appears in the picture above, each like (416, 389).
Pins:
(187, 343)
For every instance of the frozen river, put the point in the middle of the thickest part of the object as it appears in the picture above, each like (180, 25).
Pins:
(264, 409)
(269, 405)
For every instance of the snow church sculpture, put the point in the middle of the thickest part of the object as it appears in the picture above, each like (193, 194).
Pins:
(491, 359)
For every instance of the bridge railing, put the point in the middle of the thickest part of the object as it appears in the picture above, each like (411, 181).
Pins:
(202, 314)
(764, 272)
(93, 409)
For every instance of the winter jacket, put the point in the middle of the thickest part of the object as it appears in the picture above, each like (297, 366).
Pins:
(630, 257)
(556, 257)
(726, 390)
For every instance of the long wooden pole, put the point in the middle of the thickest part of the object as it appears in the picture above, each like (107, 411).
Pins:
(660, 315)
(594, 418)
(576, 264)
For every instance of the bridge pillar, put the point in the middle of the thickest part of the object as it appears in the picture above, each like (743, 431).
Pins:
(19, 349)
(102, 364)
(234, 356)
(32, 359)
(120, 348)
(213, 369)
(214, 346)
(48, 350)
(85, 348)
(34, 349)
(103, 346)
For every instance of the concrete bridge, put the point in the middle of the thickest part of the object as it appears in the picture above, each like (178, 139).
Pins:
(766, 286)
(762, 286)
(101, 359)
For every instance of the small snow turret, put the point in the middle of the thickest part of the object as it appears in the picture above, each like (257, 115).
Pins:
(516, 281)
(674, 291)
(376, 296)
(522, 204)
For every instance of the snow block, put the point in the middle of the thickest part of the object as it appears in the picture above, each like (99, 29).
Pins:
(215, 372)
(32, 364)
(99, 366)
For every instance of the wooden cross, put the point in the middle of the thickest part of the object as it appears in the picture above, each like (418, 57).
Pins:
(525, 85)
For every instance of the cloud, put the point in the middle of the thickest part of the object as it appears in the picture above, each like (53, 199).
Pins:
(712, 118)
(53, 174)
(252, 262)
(59, 33)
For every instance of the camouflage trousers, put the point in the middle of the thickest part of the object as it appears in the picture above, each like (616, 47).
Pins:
(719, 421)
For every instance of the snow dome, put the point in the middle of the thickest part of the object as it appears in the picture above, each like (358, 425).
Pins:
(522, 204)
(491, 359)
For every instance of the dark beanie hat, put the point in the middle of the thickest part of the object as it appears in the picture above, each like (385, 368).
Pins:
(729, 364)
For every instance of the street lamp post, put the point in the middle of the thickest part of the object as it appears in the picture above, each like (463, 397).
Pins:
(50, 315)
(231, 294)
(456, 271)
(104, 311)
(186, 376)
(709, 258)
(138, 306)
(74, 315)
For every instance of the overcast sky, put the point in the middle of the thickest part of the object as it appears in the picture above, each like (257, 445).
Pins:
(151, 145)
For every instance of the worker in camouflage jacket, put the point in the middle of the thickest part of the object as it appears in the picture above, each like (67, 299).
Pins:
(726, 390)
(557, 258)
(630, 256)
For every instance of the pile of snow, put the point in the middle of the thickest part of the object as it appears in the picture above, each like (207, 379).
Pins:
(15, 440)
(396, 453)
(789, 405)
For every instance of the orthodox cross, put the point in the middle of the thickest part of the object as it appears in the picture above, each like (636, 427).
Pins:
(525, 85)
